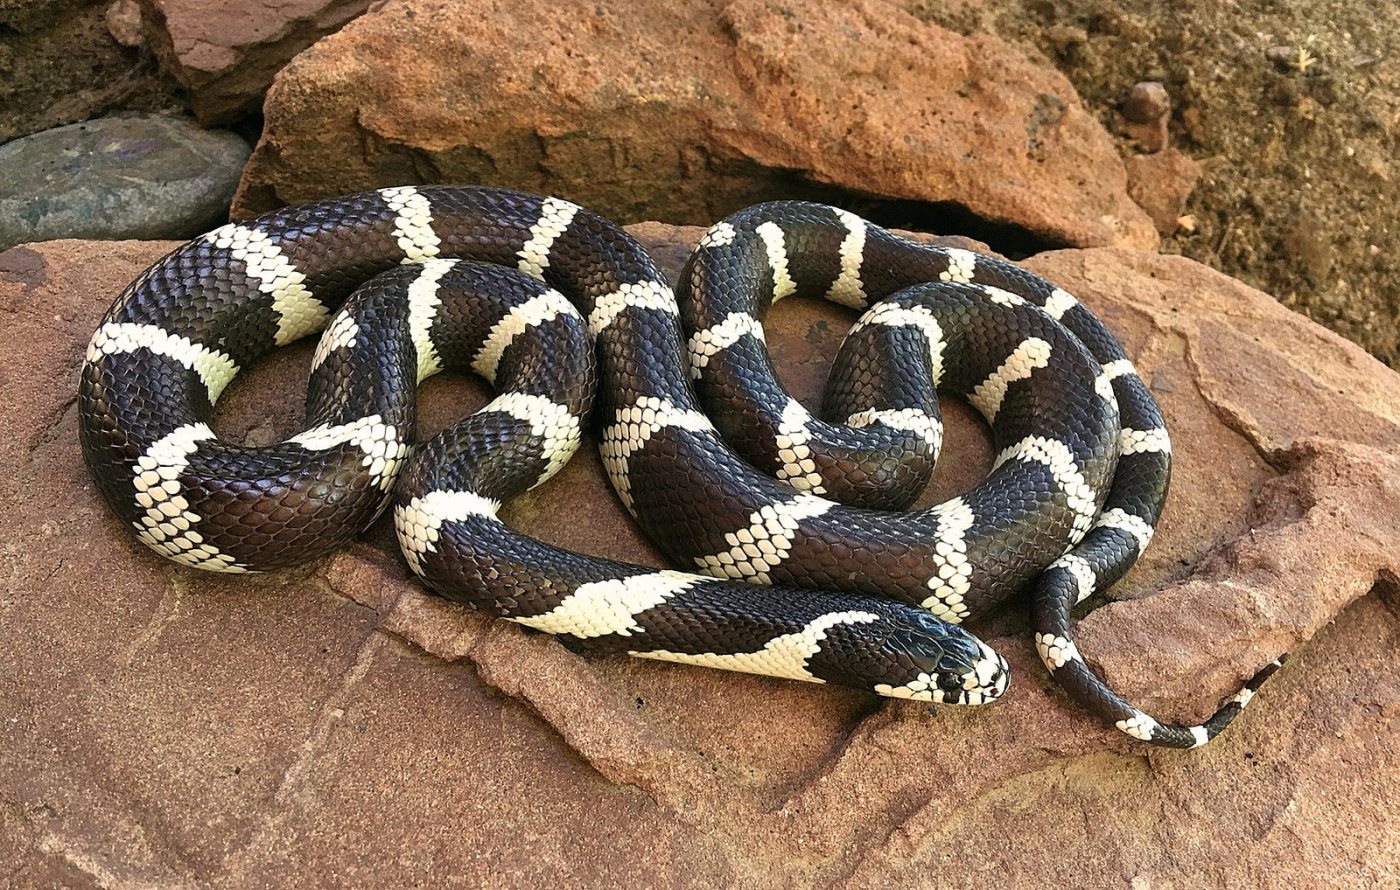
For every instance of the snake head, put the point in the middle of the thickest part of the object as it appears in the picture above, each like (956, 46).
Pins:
(950, 665)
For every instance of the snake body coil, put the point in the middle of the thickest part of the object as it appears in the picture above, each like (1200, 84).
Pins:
(809, 571)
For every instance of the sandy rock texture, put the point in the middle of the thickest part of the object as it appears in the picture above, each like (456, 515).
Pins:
(225, 54)
(334, 725)
(687, 112)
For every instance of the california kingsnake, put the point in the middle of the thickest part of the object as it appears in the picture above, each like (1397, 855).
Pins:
(513, 287)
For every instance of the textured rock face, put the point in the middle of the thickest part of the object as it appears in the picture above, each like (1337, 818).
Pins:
(149, 176)
(1161, 183)
(225, 54)
(336, 725)
(687, 112)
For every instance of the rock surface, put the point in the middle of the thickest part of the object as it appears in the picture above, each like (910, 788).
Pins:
(226, 55)
(1161, 184)
(687, 112)
(121, 177)
(334, 725)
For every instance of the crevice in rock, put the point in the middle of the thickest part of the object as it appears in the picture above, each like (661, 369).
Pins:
(321, 576)
(874, 841)
(55, 426)
(787, 794)
(1228, 418)
(396, 162)
(1387, 590)
(1013, 241)
(249, 126)
(632, 754)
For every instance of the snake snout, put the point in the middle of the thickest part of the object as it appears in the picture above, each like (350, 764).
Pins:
(986, 680)
(954, 667)
(980, 678)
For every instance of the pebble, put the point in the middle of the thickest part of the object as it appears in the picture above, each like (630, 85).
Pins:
(140, 176)
(1147, 111)
(123, 18)
(1147, 102)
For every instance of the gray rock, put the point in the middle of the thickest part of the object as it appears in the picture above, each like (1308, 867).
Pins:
(121, 177)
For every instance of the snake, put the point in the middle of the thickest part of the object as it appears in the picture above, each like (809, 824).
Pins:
(797, 553)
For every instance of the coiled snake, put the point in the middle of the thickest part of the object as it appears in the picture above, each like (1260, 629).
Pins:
(810, 570)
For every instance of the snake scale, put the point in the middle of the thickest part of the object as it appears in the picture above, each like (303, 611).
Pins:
(803, 558)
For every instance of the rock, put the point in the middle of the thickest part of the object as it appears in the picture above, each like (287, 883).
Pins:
(225, 56)
(1147, 103)
(121, 177)
(123, 18)
(688, 112)
(1150, 138)
(1148, 112)
(336, 725)
(1161, 184)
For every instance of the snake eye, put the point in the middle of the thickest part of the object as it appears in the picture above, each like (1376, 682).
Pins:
(949, 682)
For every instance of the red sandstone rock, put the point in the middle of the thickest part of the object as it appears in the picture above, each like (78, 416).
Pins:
(1161, 184)
(225, 54)
(334, 725)
(686, 112)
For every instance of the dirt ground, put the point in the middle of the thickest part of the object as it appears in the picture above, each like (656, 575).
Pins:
(1293, 110)
(59, 65)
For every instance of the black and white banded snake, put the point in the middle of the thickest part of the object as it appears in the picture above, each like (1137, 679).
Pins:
(811, 570)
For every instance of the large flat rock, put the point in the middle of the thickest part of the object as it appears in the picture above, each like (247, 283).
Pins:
(687, 112)
(335, 725)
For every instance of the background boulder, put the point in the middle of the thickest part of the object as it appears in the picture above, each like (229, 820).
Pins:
(688, 112)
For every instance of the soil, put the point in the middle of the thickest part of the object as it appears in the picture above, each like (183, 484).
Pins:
(1293, 111)
(59, 65)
